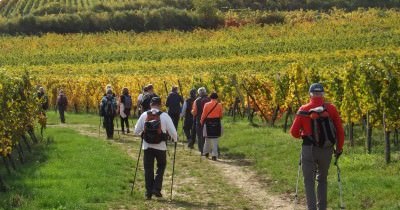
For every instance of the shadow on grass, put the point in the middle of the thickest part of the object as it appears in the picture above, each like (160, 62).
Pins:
(235, 158)
(16, 190)
(189, 205)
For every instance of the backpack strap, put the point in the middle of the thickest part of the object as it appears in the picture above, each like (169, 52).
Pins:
(303, 113)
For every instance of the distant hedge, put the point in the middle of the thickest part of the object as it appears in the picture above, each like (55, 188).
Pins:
(138, 20)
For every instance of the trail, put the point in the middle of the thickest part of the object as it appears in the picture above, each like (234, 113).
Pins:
(234, 172)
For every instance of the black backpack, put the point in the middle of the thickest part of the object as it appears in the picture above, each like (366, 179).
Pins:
(152, 133)
(146, 102)
(109, 107)
(127, 101)
(323, 129)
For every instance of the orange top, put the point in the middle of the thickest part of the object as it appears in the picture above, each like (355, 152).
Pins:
(216, 113)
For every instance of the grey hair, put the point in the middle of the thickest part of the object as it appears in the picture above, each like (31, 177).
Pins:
(202, 91)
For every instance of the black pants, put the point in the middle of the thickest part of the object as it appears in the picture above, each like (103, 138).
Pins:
(108, 124)
(62, 116)
(124, 121)
(154, 184)
(190, 131)
(175, 119)
(200, 138)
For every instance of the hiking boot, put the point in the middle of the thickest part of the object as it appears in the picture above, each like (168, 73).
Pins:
(157, 194)
(128, 131)
(148, 196)
(214, 158)
(206, 155)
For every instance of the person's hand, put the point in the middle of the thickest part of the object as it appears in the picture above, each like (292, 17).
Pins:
(338, 152)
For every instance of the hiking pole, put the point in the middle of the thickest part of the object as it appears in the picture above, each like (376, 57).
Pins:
(173, 169)
(137, 166)
(297, 182)
(339, 184)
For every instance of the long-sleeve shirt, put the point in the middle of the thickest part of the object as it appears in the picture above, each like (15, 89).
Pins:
(184, 107)
(167, 126)
(302, 124)
(209, 113)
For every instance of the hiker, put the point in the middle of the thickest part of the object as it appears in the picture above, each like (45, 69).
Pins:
(197, 110)
(319, 125)
(62, 103)
(44, 100)
(139, 101)
(174, 102)
(211, 123)
(108, 110)
(154, 126)
(125, 107)
(188, 125)
(147, 98)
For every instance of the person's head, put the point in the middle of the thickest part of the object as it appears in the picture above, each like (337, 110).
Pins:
(174, 89)
(109, 92)
(125, 91)
(214, 95)
(193, 93)
(155, 102)
(150, 88)
(202, 91)
(145, 89)
(41, 89)
(316, 90)
(108, 87)
(61, 91)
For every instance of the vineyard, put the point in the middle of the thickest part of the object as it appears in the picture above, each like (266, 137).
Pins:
(355, 55)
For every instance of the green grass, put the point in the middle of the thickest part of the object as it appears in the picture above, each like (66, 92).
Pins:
(81, 172)
(368, 183)
(73, 172)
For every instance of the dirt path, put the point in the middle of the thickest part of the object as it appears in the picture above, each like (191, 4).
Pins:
(235, 173)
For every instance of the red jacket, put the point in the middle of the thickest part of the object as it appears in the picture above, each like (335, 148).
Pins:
(302, 124)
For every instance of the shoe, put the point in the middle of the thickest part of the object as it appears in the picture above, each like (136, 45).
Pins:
(148, 197)
(207, 155)
(157, 194)
(214, 158)
(128, 131)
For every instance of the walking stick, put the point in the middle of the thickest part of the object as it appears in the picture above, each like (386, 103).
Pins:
(137, 165)
(173, 169)
(339, 184)
(99, 126)
(297, 182)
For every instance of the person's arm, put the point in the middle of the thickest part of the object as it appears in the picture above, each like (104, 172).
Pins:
(184, 107)
(168, 100)
(170, 127)
(337, 121)
(296, 128)
(205, 113)
(194, 109)
(221, 111)
(139, 127)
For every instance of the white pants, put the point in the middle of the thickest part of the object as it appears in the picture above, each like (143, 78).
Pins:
(207, 146)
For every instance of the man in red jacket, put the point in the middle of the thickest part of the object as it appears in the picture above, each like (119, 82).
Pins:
(317, 151)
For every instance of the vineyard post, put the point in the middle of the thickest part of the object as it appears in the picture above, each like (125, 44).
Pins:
(166, 89)
(369, 134)
(387, 139)
(288, 113)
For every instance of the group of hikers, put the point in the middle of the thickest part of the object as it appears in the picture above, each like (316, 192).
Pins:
(317, 123)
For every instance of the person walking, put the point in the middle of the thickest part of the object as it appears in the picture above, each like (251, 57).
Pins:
(319, 125)
(188, 125)
(174, 102)
(125, 107)
(139, 101)
(44, 100)
(62, 103)
(108, 110)
(212, 128)
(154, 126)
(197, 111)
(146, 100)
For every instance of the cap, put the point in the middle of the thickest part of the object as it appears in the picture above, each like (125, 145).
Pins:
(316, 87)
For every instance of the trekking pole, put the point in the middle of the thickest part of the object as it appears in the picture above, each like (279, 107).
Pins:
(297, 182)
(137, 166)
(339, 184)
(99, 126)
(173, 169)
